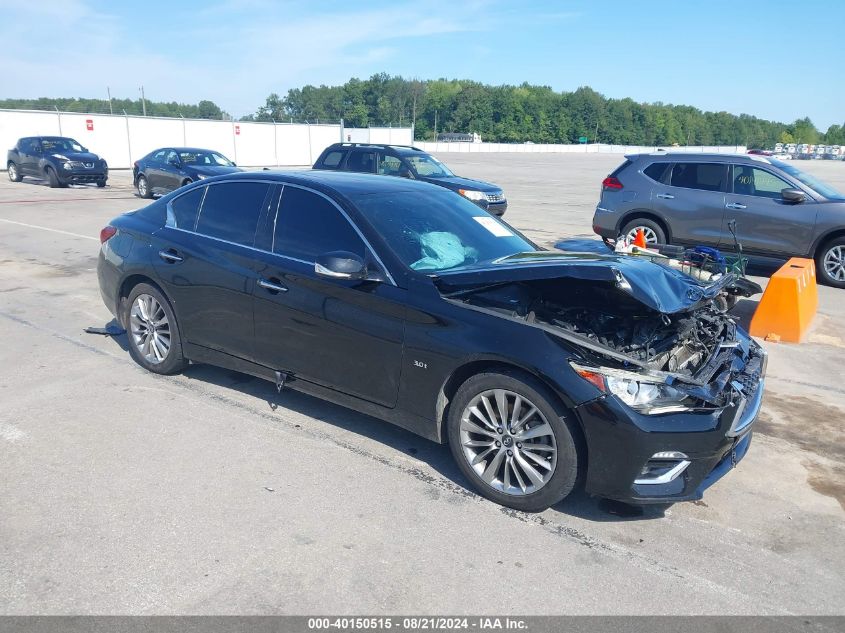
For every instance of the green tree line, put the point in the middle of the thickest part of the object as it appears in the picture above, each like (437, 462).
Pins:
(515, 114)
(201, 110)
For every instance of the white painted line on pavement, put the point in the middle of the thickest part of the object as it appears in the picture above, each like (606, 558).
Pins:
(44, 228)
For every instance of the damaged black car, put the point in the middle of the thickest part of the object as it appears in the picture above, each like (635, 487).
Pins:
(542, 370)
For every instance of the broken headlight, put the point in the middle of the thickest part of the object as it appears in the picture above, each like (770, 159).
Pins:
(644, 394)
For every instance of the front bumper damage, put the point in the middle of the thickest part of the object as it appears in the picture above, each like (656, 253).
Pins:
(700, 447)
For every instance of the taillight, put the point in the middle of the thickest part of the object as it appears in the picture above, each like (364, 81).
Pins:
(107, 233)
(611, 182)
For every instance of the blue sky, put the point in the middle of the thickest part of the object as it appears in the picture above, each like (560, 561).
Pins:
(776, 59)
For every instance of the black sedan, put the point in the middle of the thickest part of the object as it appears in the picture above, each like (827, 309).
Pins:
(401, 300)
(166, 169)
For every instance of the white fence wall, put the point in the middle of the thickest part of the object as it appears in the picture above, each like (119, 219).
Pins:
(595, 148)
(121, 140)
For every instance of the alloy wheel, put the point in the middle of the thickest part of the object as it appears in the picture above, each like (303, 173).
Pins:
(150, 329)
(508, 442)
(13, 172)
(142, 186)
(834, 263)
(648, 233)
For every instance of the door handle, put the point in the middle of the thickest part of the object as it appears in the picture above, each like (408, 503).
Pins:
(665, 196)
(170, 256)
(272, 286)
(734, 205)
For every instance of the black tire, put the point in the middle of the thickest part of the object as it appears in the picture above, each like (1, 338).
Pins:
(611, 244)
(569, 455)
(143, 187)
(101, 183)
(648, 224)
(14, 173)
(173, 361)
(826, 263)
(52, 177)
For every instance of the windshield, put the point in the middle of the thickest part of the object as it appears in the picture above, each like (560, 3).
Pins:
(205, 158)
(811, 181)
(433, 231)
(57, 144)
(428, 166)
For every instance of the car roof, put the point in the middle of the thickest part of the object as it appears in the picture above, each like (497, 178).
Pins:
(398, 148)
(342, 182)
(699, 156)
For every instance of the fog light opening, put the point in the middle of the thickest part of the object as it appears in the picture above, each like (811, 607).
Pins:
(662, 468)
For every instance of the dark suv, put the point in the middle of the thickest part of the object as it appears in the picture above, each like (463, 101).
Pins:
(410, 162)
(62, 161)
(690, 199)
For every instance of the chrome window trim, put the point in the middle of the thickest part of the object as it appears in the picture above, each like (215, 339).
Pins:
(170, 222)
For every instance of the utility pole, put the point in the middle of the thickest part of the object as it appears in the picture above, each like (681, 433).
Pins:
(143, 101)
(108, 90)
(596, 135)
(435, 126)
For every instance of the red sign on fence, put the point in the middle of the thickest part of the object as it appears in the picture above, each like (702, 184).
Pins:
(89, 125)
(238, 129)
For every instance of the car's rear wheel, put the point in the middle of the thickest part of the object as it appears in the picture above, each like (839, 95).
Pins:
(52, 177)
(14, 174)
(512, 442)
(652, 231)
(154, 339)
(830, 263)
(101, 183)
(143, 187)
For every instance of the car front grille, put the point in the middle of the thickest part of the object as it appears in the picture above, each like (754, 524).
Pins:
(495, 197)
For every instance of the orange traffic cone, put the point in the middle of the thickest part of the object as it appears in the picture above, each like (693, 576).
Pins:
(640, 239)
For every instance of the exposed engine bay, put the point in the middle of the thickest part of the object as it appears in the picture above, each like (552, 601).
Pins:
(608, 322)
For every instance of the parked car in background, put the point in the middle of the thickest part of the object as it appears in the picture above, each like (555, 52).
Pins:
(410, 162)
(60, 160)
(689, 199)
(404, 301)
(759, 152)
(168, 168)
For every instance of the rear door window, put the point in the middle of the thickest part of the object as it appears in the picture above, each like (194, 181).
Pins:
(186, 208)
(362, 161)
(231, 211)
(333, 159)
(308, 225)
(753, 181)
(658, 172)
(703, 176)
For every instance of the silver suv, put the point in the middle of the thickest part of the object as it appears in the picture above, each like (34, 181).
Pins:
(689, 199)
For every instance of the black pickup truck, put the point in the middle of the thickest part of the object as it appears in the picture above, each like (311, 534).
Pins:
(61, 161)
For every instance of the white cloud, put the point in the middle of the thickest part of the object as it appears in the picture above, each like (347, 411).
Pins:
(233, 53)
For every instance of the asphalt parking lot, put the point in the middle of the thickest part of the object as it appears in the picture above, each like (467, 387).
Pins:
(123, 492)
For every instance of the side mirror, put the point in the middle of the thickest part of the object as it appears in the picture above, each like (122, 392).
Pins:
(406, 173)
(792, 195)
(340, 265)
(234, 164)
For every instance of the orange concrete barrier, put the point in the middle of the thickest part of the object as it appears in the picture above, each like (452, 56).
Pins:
(789, 302)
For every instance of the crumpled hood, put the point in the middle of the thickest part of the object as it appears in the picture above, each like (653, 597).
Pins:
(212, 170)
(654, 285)
(457, 182)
